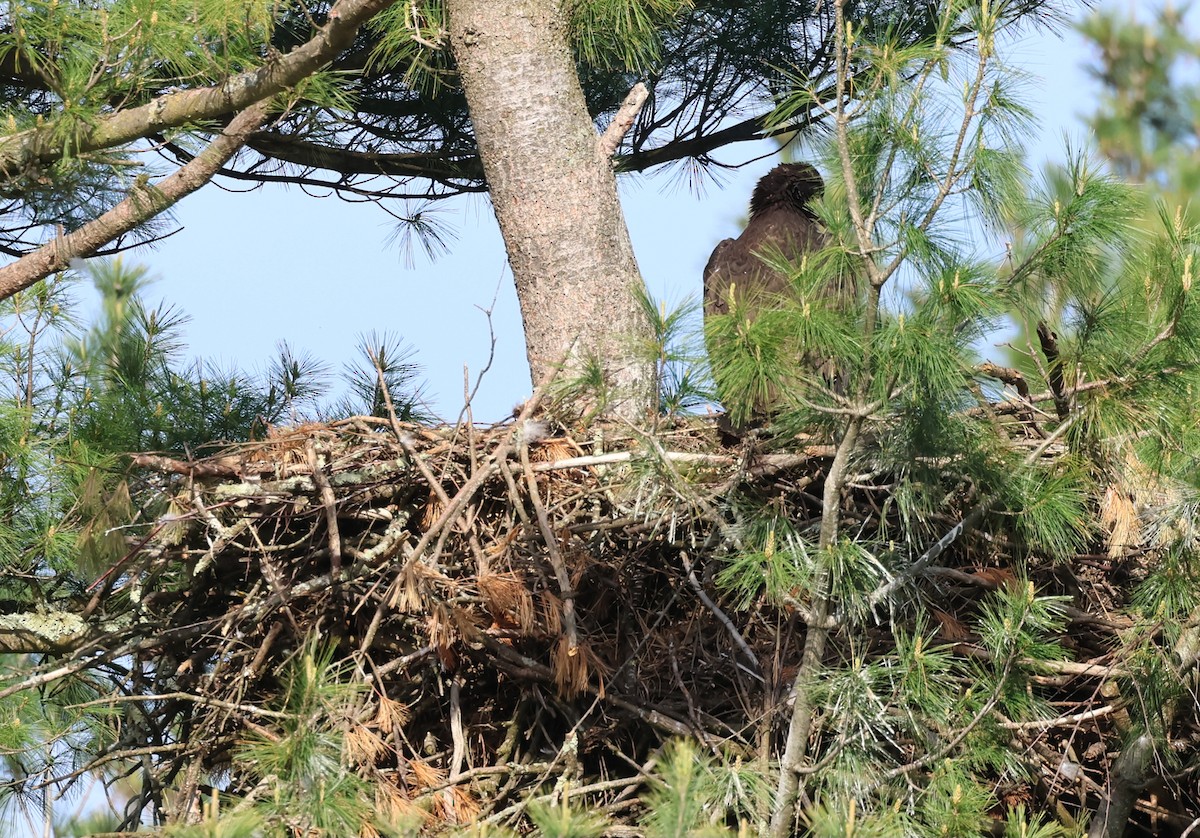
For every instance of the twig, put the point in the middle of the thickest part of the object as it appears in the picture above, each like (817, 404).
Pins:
(469, 396)
(721, 616)
(212, 467)
(956, 740)
(435, 485)
(182, 696)
(329, 504)
(514, 494)
(107, 757)
(812, 658)
(629, 456)
(531, 668)
(1008, 375)
(458, 738)
(565, 587)
(401, 662)
(406, 442)
(107, 651)
(412, 19)
(1061, 721)
(483, 771)
(574, 791)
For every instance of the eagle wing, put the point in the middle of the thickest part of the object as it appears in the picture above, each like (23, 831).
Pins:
(717, 271)
(740, 262)
(743, 265)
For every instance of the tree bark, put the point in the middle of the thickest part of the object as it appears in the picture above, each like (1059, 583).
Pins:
(553, 191)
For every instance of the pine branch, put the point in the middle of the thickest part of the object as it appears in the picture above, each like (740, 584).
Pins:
(141, 205)
(36, 147)
(1049, 342)
(611, 139)
(814, 645)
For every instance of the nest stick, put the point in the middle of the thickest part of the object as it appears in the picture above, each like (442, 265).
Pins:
(566, 589)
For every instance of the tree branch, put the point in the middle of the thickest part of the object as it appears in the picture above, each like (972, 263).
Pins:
(40, 632)
(38, 147)
(815, 640)
(142, 204)
(610, 140)
(1049, 342)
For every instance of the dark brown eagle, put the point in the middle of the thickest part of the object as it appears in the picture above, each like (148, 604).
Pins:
(781, 223)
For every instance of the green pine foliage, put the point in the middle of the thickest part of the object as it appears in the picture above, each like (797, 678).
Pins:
(675, 350)
(410, 38)
(695, 796)
(75, 401)
(623, 34)
(925, 144)
(90, 59)
(564, 821)
(383, 372)
(774, 562)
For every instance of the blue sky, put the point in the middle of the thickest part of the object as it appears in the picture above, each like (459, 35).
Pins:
(255, 268)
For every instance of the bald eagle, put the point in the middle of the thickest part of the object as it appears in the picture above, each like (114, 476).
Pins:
(781, 223)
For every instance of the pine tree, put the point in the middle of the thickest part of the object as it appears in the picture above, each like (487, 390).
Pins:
(886, 706)
(922, 141)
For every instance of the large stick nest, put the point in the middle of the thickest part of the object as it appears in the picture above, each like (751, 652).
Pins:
(526, 606)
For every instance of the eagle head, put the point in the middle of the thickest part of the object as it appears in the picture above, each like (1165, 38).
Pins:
(788, 185)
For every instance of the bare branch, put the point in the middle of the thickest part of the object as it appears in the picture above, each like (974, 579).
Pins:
(623, 121)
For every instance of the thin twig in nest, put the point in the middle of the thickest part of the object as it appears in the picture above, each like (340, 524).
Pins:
(329, 503)
(565, 588)
(721, 616)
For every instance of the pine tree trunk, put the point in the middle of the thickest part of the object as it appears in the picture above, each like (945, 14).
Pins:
(553, 191)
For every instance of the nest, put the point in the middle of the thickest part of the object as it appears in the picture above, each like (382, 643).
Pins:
(524, 606)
